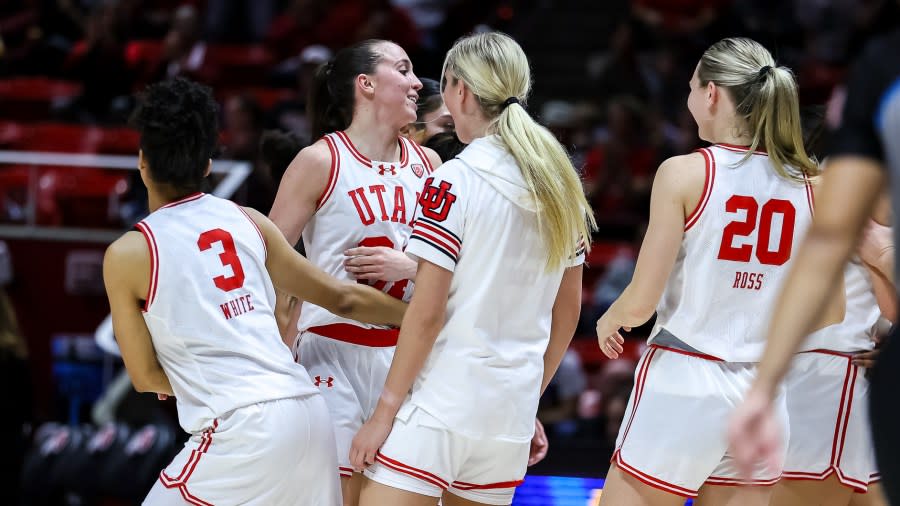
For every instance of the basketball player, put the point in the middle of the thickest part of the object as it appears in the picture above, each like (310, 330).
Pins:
(497, 297)
(191, 300)
(863, 149)
(356, 186)
(723, 221)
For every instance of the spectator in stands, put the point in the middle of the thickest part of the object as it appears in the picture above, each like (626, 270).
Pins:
(446, 144)
(290, 114)
(558, 408)
(184, 50)
(238, 21)
(299, 26)
(351, 21)
(98, 61)
(243, 127)
(16, 377)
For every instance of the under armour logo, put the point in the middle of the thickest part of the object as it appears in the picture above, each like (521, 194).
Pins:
(329, 382)
(387, 168)
(436, 201)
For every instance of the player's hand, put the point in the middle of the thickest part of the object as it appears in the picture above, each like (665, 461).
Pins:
(368, 441)
(754, 434)
(162, 397)
(876, 241)
(539, 444)
(868, 359)
(379, 264)
(609, 338)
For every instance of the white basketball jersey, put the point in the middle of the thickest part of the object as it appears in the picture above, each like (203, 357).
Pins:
(210, 311)
(860, 321)
(365, 203)
(735, 253)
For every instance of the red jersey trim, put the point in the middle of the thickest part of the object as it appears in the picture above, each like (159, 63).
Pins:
(651, 481)
(722, 481)
(707, 189)
(741, 149)
(345, 332)
(333, 173)
(345, 472)
(184, 200)
(363, 159)
(181, 481)
(421, 152)
(144, 229)
(459, 485)
(400, 467)
(810, 195)
(262, 238)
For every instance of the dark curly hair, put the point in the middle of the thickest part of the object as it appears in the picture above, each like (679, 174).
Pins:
(178, 122)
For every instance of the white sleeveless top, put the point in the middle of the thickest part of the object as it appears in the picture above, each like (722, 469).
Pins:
(860, 322)
(209, 310)
(736, 251)
(365, 203)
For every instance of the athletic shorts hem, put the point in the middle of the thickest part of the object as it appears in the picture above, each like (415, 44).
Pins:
(651, 481)
(857, 485)
(722, 481)
(345, 472)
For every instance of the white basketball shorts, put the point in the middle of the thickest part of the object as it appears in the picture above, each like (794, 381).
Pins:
(350, 377)
(277, 452)
(422, 456)
(828, 409)
(674, 434)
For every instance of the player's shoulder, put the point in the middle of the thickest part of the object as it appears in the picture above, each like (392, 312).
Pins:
(131, 246)
(681, 166)
(317, 155)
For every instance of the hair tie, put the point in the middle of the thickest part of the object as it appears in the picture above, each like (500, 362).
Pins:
(763, 73)
(509, 101)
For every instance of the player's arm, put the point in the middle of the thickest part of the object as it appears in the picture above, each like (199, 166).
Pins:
(677, 189)
(566, 310)
(301, 187)
(126, 274)
(433, 157)
(420, 328)
(293, 274)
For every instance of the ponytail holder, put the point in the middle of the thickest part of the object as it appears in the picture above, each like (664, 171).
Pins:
(763, 73)
(509, 101)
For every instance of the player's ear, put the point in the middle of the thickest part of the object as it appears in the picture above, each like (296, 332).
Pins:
(208, 168)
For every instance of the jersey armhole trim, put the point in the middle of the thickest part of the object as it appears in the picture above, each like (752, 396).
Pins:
(421, 152)
(262, 238)
(707, 189)
(333, 173)
(810, 196)
(144, 229)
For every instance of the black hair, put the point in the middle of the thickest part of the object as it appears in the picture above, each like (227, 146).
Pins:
(429, 100)
(446, 144)
(331, 98)
(277, 149)
(178, 122)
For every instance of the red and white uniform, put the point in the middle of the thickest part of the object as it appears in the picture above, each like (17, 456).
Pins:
(711, 323)
(828, 396)
(468, 422)
(365, 203)
(210, 315)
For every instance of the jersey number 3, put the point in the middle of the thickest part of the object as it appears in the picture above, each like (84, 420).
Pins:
(228, 257)
(764, 252)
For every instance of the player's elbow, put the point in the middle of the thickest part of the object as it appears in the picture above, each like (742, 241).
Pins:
(148, 379)
(348, 300)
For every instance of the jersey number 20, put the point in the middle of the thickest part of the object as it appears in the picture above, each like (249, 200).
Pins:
(764, 252)
(228, 257)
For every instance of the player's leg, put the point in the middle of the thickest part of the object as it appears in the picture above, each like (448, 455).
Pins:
(374, 493)
(721, 495)
(624, 489)
(827, 492)
(873, 497)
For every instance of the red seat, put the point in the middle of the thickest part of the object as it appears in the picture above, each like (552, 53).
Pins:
(241, 65)
(265, 97)
(30, 98)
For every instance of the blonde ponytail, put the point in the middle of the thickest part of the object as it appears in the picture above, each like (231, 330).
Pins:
(765, 97)
(496, 69)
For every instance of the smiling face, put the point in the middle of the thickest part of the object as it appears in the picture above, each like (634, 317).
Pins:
(395, 85)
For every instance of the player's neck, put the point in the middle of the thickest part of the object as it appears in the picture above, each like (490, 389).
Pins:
(374, 141)
(158, 197)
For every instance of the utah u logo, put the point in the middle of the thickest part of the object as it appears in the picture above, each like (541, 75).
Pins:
(436, 201)
(387, 168)
(329, 381)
